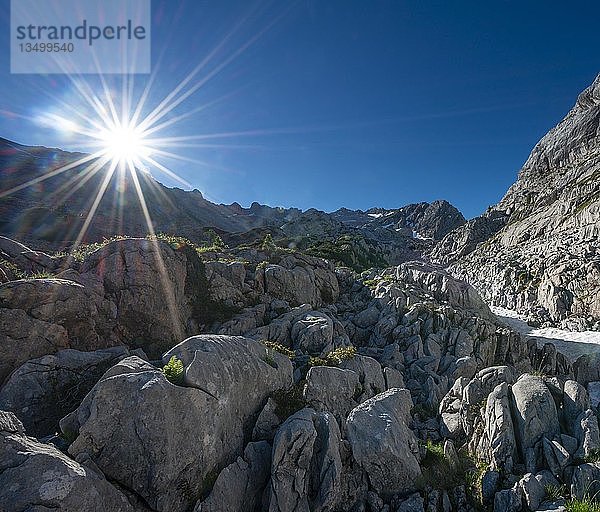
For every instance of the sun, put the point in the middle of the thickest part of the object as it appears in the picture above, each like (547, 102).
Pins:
(123, 142)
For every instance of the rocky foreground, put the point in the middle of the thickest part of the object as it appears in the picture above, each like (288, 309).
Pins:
(149, 375)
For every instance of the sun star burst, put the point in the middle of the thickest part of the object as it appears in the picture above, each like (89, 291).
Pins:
(124, 142)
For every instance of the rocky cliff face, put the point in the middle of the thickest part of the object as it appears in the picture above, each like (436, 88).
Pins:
(537, 250)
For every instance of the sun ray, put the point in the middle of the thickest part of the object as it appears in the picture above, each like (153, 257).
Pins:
(86, 175)
(90, 216)
(167, 171)
(50, 174)
(162, 271)
(189, 113)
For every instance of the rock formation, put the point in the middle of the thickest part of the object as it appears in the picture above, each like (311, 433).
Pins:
(321, 363)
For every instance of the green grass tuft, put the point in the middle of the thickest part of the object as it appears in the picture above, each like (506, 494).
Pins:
(173, 371)
(582, 505)
(556, 492)
(334, 358)
(278, 347)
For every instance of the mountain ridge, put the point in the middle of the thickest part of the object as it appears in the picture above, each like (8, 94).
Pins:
(54, 211)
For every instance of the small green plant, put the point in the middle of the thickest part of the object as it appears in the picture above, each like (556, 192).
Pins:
(82, 251)
(473, 471)
(593, 456)
(262, 266)
(176, 242)
(173, 370)
(555, 492)
(268, 244)
(278, 347)
(216, 242)
(586, 504)
(41, 275)
(371, 283)
(434, 451)
(12, 268)
(334, 358)
(539, 373)
(437, 472)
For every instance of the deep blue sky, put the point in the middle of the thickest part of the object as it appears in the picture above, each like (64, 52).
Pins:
(356, 103)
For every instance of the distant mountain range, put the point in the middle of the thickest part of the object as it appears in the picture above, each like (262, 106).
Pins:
(53, 211)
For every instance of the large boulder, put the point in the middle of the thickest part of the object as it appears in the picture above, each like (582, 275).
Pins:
(498, 443)
(585, 481)
(575, 401)
(156, 289)
(372, 379)
(587, 368)
(313, 333)
(240, 485)
(36, 476)
(42, 391)
(587, 433)
(300, 279)
(135, 291)
(476, 391)
(226, 281)
(535, 411)
(306, 467)
(443, 286)
(381, 439)
(332, 389)
(165, 442)
(42, 316)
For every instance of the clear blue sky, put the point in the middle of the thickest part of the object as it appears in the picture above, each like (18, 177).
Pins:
(354, 103)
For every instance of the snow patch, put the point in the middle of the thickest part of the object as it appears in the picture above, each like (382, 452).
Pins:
(570, 344)
(420, 236)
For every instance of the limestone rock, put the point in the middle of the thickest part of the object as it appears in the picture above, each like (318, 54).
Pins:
(332, 389)
(239, 486)
(37, 476)
(155, 288)
(535, 411)
(575, 401)
(306, 464)
(587, 433)
(499, 443)
(164, 441)
(313, 333)
(539, 253)
(301, 279)
(42, 316)
(586, 480)
(43, 390)
(370, 375)
(380, 438)
(267, 423)
(533, 491)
